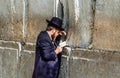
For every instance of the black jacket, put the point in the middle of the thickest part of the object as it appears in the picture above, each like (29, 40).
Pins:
(47, 63)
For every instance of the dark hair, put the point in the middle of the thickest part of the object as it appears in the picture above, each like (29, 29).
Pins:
(49, 28)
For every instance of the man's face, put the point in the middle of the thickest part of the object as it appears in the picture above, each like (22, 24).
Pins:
(56, 33)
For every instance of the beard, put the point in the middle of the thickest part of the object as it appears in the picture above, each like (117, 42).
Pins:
(53, 37)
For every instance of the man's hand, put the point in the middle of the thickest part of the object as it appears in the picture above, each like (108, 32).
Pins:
(62, 33)
(58, 50)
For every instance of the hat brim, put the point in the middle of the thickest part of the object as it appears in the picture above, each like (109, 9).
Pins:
(54, 25)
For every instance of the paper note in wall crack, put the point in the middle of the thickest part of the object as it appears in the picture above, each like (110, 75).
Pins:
(63, 44)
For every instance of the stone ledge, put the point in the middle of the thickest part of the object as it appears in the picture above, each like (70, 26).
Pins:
(83, 63)
(29, 46)
(17, 45)
(93, 55)
(10, 44)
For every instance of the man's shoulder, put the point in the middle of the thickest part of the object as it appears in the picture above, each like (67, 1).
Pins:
(43, 35)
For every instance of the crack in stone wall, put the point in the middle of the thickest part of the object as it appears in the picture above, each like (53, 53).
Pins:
(25, 18)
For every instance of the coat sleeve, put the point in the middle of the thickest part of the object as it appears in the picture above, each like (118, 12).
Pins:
(47, 51)
(57, 41)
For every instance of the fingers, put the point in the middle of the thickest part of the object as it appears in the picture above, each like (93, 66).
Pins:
(58, 50)
(63, 32)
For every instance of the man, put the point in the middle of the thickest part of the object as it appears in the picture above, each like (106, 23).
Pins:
(47, 61)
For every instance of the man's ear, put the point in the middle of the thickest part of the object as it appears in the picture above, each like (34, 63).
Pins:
(53, 31)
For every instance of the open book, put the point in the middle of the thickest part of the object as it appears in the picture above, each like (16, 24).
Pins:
(63, 44)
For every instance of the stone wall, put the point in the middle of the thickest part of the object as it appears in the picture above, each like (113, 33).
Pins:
(106, 28)
(90, 24)
(16, 59)
(84, 63)
(20, 23)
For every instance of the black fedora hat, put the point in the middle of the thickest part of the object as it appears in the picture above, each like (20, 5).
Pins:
(56, 22)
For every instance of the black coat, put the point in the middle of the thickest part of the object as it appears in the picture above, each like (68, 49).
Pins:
(47, 62)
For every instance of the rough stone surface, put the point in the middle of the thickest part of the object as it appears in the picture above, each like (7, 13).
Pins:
(26, 64)
(37, 17)
(9, 44)
(93, 64)
(63, 70)
(107, 26)
(80, 22)
(9, 63)
(94, 69)
(29, 46)
(16, 62)
(11, 20)
(1, 52)
(22, 20)
(19, 19)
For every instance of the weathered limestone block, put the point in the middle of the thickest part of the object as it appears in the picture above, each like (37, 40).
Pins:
(80, 22)
(107, 25)
(63, 12)
(9, 44)
(89, 69)
(39, 11)
(11, 20)
(1, 52)
(65, 63)
(29, 47)
(63, 70)
(26, 64)
(94, 64)
(9, 63)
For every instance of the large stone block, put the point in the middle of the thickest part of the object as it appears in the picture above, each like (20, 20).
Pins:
(29, 46)
(80, 22)
(26, 64)
(65, 63)
(1, 52)
(107, 26)
(94, 64)
(9, 44)
(9, 63)
(39, 11)
(93, 69)
(11, 20)
(62, 11)
(63, 69)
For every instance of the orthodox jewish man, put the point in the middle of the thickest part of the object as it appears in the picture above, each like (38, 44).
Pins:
(47, 59)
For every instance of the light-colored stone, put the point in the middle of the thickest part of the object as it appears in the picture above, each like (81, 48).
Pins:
(63, 69)
(37, 17)
(107, 25)
(11, 20)
(29, 46)
(65, 7)
(26, 64)
(1, 52)
(9, 44)
(9, 63)
(80, 22)
(93, 69)
(92, 64)
(22, 20)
